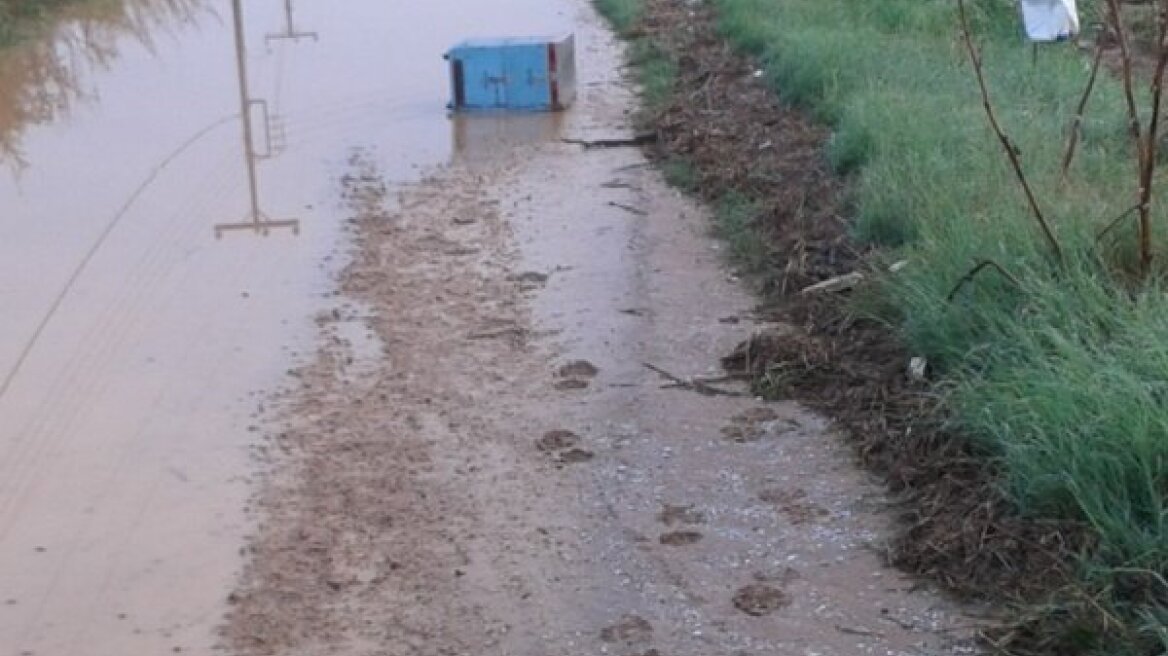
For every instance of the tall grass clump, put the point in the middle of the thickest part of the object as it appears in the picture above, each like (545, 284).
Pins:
(1057, 370)
(623, 14)
(656, 70)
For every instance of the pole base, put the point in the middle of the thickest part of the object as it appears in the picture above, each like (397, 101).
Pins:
(259, 227)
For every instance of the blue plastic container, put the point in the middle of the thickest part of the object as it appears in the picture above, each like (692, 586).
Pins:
(526, 74)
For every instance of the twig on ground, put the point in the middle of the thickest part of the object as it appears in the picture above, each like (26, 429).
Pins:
(856, 631)
(497, 334)
(638, 140)
(628, 208)
(693, 384)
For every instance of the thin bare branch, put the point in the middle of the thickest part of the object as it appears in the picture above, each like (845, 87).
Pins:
(1077, 125)
(694, 384)
(1007, 145)
(1115, 223)
(975, 271)
(1151, 143)
(1133, 114)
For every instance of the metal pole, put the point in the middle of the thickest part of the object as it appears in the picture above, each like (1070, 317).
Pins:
(256, 222)
(290, 31)
(245, 110)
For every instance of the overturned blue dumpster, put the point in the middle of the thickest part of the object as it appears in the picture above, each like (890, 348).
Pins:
(522, 74)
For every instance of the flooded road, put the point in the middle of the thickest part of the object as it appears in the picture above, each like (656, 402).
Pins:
(133, 342)
(546, 458)
(291, 363)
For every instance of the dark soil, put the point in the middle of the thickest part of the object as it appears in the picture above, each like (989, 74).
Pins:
(671, 515)
(557, 440)
(631, 629)
(732, 128)
(759, 599)
(680, 538)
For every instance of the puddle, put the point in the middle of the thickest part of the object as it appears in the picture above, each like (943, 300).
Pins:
(132, 339)
(479, 138)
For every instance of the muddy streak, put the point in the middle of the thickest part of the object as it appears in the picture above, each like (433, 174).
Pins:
(364, 524)
(124, 435)
(432, 506)
(810, 566)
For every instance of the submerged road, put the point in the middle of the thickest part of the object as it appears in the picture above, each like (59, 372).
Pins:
(420, 423)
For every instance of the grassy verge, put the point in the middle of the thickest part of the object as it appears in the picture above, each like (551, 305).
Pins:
(656, 72)
(1061, 374)
(623, 14)
(1058, 375)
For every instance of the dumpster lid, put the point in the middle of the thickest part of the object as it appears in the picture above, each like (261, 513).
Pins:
(495, 42)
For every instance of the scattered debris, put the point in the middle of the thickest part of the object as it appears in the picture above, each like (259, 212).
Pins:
(794, 505)
(575, 456)
(617, 184)
(858, 631)
(681, 538)
(513, 332)
(644, 139)
(571, 384)
(671, 515)
(753, 425)
(628, 208)
(579, 369)
(694, 384)
(759, 600)
(576, 375)
(917, 368)
(959, 528)
(630, 629)
(557, 440)
(842, 283)
(530, 277)
(462, 251)
(498, 329)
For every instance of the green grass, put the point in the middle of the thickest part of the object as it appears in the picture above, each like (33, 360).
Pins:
(736, 222)
(623, 14)
(680, 173)
(656, 71)
(1064, 378)
(656, 74)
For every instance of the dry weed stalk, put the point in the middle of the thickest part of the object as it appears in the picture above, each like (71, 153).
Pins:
(1007, 145)
(975, 271)
(1077, 125)
(1152, 141)
(1146, 141)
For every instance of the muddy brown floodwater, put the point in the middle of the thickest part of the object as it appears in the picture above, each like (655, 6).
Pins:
(433, 399)
(130, 359)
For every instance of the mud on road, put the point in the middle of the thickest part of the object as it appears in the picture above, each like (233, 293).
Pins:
(479, 460)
